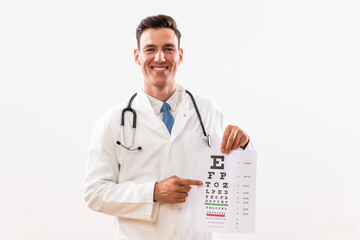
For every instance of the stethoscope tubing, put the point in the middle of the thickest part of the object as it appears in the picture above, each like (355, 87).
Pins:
(130, 109)
(197, 112)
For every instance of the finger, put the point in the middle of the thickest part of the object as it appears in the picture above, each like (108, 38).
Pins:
(239, 137)
(225, 138)
(182, 195)
(184, 188)
(231, 140)
(190, 182)
(244, 140)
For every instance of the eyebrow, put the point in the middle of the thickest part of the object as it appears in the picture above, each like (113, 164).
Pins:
(169, 45)
(149, 45)
(166, 45)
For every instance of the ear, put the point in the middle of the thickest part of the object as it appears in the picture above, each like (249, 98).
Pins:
(137, 56)
(181, 52)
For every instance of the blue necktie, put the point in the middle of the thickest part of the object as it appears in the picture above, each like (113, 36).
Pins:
(167, 118)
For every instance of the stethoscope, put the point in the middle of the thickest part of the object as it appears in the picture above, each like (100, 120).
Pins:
(206, 137)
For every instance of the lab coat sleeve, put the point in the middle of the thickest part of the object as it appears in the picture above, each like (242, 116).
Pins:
(102, 190)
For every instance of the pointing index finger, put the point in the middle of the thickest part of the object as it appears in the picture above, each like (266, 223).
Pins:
(190, 182)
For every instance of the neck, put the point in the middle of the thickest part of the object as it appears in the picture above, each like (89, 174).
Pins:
(160, 93)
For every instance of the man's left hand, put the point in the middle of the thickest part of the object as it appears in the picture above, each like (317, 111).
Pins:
(233, 139)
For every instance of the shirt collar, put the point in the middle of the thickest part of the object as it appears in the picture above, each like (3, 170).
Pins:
(173, 101)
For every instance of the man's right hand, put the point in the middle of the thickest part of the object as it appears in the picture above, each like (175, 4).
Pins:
(173, 189)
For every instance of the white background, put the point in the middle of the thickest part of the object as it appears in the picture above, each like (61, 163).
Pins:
(287, 72)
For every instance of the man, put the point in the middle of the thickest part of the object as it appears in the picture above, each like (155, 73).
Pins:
(140, 176)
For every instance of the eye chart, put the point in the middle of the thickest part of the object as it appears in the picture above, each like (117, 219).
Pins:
(226, 201)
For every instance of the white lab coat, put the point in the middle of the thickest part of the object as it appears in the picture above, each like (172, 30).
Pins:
(121, 182)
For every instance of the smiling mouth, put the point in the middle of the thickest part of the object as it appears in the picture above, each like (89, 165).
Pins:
(160, 69)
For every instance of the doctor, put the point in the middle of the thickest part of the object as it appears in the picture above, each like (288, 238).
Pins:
(148, 187)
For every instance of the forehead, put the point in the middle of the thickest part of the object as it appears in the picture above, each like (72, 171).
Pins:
(158, 37)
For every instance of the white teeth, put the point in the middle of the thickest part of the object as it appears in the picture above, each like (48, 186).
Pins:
(159, 69)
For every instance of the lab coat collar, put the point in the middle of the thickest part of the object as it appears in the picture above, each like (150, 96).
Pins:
(182, 114)
(143, 100)
(185, 101)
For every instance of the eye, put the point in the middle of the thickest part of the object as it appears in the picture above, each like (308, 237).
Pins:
(149, 50)
(169, 49)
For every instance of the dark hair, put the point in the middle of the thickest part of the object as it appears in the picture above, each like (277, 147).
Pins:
(158, 21)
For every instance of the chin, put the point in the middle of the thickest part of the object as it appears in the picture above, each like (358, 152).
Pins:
(161, 82)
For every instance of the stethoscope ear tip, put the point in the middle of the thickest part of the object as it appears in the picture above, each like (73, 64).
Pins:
(118, 143)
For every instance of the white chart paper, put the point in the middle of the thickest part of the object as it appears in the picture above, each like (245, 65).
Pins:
(226, 201)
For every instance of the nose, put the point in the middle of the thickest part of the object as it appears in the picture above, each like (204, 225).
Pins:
(159, 57)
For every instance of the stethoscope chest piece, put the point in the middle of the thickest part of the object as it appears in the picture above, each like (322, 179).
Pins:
(207, 140)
